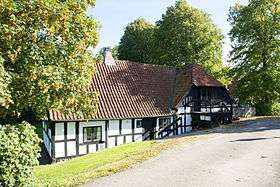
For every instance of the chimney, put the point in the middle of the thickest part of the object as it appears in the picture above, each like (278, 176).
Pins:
(108, 57)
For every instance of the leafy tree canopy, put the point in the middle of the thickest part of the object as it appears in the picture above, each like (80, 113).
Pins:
(188, 35)
(136, 43)
(256, 48)
(99, 57)
(184, 35)
(43, 56)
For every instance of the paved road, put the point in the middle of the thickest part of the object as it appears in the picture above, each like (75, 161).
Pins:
(242, 156)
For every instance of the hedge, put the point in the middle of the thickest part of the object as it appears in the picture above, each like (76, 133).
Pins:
(268, 109)
(19, 153)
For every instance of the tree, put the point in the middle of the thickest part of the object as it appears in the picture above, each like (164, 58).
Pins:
(44, 62)
(115, 52)
(136, 43)
(255, 54)
(99, 57)
(188, 35)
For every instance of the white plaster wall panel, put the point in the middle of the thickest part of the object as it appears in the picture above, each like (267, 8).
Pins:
(157, 127)
(126, 126)
(202, 117)
(188, 119)
(216, 109)
(120, 140)
(114, 127)
(188, 129)
(181, 110)
(128, 139)
(207, 118)
(205, 110)
(92, 148)
(101, 146)
(71, 148)
(82, 149)
(111, 142)
(71, 130)
(138, 138)
(59, 150)
(185, 120)
(91, 124)
(138, 130)
(179, 130)
(59, 131)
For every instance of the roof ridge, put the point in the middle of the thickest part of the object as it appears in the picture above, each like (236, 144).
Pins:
(134, 62)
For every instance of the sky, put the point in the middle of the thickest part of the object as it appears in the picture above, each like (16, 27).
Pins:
(114, 15)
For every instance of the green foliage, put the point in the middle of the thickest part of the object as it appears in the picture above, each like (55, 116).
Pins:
(268, 109)
(188, 35)
(275, 109)
(99, 57)
(184, 35)
(136, 43)
(79, 170)
(44, 47)
(5, 95)
(115, 52)
(103, 163)
(19, 152)
(255, 55)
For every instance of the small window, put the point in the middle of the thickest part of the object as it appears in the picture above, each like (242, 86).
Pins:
(92, 134)
(164, 122)
(139, 123)
(205, 118)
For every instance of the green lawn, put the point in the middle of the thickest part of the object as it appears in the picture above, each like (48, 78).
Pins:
(102, 163)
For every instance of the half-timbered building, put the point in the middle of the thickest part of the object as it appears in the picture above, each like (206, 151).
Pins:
(138, 102)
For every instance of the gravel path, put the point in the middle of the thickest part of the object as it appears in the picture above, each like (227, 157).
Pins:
(245, 155)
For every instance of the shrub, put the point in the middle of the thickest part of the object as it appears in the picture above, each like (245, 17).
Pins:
(268, 109)
(19, 152)
(275, 109)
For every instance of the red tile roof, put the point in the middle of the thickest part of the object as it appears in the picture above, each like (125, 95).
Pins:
(134, 90)
(190, 75)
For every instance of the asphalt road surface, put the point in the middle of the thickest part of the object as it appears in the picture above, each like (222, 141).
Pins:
(244, 155)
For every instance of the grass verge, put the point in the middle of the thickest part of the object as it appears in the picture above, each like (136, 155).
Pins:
(102, 163)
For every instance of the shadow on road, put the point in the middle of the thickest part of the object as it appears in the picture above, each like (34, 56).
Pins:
(252, 139)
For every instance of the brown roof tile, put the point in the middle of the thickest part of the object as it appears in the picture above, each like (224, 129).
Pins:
(134, 90)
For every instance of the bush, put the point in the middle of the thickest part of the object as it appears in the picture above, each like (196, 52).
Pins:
(268, 109)
(19, 152)
(275, 109)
